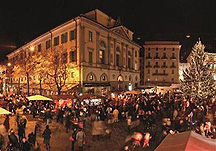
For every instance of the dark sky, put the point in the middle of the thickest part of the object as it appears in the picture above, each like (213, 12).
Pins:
(22, 21)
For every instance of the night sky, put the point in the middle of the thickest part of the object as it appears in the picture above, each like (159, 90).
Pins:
(22, 21)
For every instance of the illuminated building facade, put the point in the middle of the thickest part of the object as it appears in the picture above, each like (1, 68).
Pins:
(101, 50)
(161, 63)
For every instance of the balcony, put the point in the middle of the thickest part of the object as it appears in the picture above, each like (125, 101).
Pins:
(164, 66)
(156, 66)
(156, 57)
(164, 57)
(160, 74)
(173, 57)
(148, 66)
(172, 66)
(148, 57)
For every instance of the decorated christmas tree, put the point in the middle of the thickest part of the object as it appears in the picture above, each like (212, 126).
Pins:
(198, 82)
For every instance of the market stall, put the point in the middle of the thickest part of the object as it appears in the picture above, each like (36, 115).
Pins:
(91, 99)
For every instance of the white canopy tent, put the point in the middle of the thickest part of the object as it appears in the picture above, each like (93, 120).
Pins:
(3, 111)
(38, 98)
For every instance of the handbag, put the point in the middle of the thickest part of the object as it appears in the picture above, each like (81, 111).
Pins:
(71, 138)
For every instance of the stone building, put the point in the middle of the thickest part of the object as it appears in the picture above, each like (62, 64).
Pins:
(161, 63)
(101, 50)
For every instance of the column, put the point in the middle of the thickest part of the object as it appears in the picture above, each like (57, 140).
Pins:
(114, 53)
(82, 52)
(97, 48)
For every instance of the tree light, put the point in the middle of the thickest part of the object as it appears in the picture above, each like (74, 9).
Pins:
(8, 64)
(32, 48)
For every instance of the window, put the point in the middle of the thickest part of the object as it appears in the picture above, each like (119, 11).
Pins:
(64, 38)
(156, 71)
(90, 56)
(64, 58)
(90, 36)
(102, 56)
(156, 63)
(157, 49)
(164, 63)
(173, 55)
(149, 55)
(149, 49)
(164, 71)
(173, 49)
(148, 71)
(91, 77)
(156, 55)
(172, 79)
(148, 63)
(103, 77)
(72, 74)
(72, 34)
(48, 44)
(164, 49)
(135, 53)
(56, 41)
(129, 63)
(73, 56)
(117, 59)
(172, 71)
(39, 47)
(173, 64)
(164, 55)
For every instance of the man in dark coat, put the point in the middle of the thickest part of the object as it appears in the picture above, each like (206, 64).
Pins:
(13, 138)
(47, 135)
(6, 123)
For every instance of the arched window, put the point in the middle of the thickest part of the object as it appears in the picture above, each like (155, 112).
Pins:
(91, 77)
(130, 78)
(120, 78)
(136, 78)
(104, 77)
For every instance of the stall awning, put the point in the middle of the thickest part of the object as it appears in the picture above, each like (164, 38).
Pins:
(38, 98)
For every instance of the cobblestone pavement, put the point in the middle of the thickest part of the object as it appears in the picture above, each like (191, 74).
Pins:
(60, 138)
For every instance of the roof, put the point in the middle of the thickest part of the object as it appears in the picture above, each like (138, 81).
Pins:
(162, 43)
(187, 141)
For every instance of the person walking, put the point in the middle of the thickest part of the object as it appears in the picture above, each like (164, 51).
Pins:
(7, 123)
(115, 114)
(73, 139)
(47, 135)
(80, 138)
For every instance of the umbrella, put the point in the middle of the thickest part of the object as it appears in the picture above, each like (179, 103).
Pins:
(38, 98)
(3, 111)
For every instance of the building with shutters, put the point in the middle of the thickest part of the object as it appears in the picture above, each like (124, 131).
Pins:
(161, 63)
(101, 49)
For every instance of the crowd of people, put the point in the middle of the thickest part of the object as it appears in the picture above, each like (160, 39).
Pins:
(155, 116)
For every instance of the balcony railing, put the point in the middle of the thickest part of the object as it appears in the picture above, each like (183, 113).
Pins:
(164, 66)
(156, 66)
(156, 57)
(172, 66)
(148, 57)
(161, 74)
(164, 57)
(148, 66)
(173, 57)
